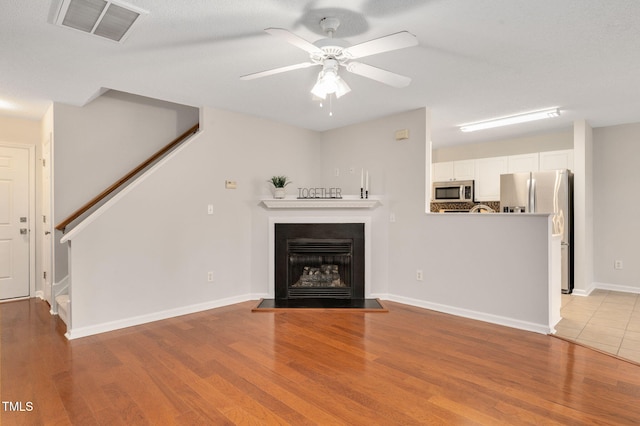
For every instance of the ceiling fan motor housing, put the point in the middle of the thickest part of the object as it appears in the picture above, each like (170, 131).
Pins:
(330, 48)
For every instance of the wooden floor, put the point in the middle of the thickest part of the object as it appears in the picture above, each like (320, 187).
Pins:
(232, 366)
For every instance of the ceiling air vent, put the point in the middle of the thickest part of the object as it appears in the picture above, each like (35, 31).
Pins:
(108, 19)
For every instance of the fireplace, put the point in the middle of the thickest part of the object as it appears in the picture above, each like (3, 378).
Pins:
(319, 261)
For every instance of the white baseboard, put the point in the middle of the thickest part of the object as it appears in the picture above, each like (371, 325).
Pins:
(40, 294)
(76, 333)
(465, 313)
(258, 296)
(616, 287)
(171, 313)
(15, 299)
(606, 286)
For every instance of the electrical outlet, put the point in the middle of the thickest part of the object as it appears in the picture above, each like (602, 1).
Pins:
(210, 209)
(392, 217)
(617, 264)
(419, 275)
(210, 276)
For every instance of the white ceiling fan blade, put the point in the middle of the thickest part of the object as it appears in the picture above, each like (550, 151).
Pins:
(378, 74)
(293, 39)
(277, 70)
(383, 44)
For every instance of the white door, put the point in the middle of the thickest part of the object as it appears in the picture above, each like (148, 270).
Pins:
(14, 222)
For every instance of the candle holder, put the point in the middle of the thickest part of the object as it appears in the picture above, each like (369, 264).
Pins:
(361, 193)
(366, 194)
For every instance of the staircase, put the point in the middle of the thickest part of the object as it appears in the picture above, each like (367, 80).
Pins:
(61, 300)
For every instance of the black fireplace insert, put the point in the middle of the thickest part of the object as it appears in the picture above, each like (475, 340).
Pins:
(319, 260)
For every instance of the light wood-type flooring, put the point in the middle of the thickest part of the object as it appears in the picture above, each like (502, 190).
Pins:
(408, 366)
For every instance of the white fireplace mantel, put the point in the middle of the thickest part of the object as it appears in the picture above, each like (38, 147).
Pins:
(321, 203)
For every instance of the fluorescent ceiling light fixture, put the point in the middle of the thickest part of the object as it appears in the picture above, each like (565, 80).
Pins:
(512, 119)
(7, 105)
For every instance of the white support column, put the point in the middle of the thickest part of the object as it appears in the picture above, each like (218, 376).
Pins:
(583, 207)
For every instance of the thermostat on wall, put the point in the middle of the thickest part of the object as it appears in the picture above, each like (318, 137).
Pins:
(230, 184)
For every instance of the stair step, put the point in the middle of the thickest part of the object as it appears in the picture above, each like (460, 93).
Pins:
(63, 307)
(63, 300)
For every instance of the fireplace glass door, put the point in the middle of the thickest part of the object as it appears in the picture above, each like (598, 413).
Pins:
(319, 268)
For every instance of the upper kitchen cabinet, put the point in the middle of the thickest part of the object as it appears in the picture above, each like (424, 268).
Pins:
(523, 163)
(442, 172)
(488, 171)
(454, 170)
(556, 160)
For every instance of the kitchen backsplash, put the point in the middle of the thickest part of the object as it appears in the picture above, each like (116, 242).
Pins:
(436, 207)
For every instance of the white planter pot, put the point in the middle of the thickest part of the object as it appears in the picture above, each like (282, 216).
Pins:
(279, 193)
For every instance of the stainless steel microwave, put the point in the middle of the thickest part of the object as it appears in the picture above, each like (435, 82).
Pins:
(453, 191)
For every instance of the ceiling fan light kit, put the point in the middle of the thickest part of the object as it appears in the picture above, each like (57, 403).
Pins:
(329, 82)
(332, 53)
(511, 119)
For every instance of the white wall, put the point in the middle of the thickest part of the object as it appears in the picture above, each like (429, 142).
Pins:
(523, 145)
(496, 267)
(396, 172)
(19, 130)
(616, 152)
(97, 144)
(148, 255)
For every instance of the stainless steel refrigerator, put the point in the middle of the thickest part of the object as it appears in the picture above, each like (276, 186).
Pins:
(544, 192)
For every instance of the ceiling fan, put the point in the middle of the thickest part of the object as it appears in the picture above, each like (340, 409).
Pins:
(332, 53)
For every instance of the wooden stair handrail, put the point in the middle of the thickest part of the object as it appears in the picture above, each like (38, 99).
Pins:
(62, 225)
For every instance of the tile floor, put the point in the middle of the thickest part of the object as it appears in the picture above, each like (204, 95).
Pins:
(606, 320)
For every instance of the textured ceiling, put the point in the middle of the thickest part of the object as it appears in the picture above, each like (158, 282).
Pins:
(476, 59)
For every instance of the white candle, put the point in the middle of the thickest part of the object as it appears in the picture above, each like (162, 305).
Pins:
(367, 182)
(362, 179)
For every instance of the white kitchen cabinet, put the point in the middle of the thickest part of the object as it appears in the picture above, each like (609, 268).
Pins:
(523, 163)
(453, 170)
(556, 160)
(442, 172)
(464, 170)
(487, 177)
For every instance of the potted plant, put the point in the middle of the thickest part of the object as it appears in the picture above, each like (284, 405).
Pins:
(279, 182)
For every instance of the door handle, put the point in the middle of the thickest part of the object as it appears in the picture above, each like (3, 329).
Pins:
(23, 231)
(47, 232)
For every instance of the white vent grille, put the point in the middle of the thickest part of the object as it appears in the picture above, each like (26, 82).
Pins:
(104, 18)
